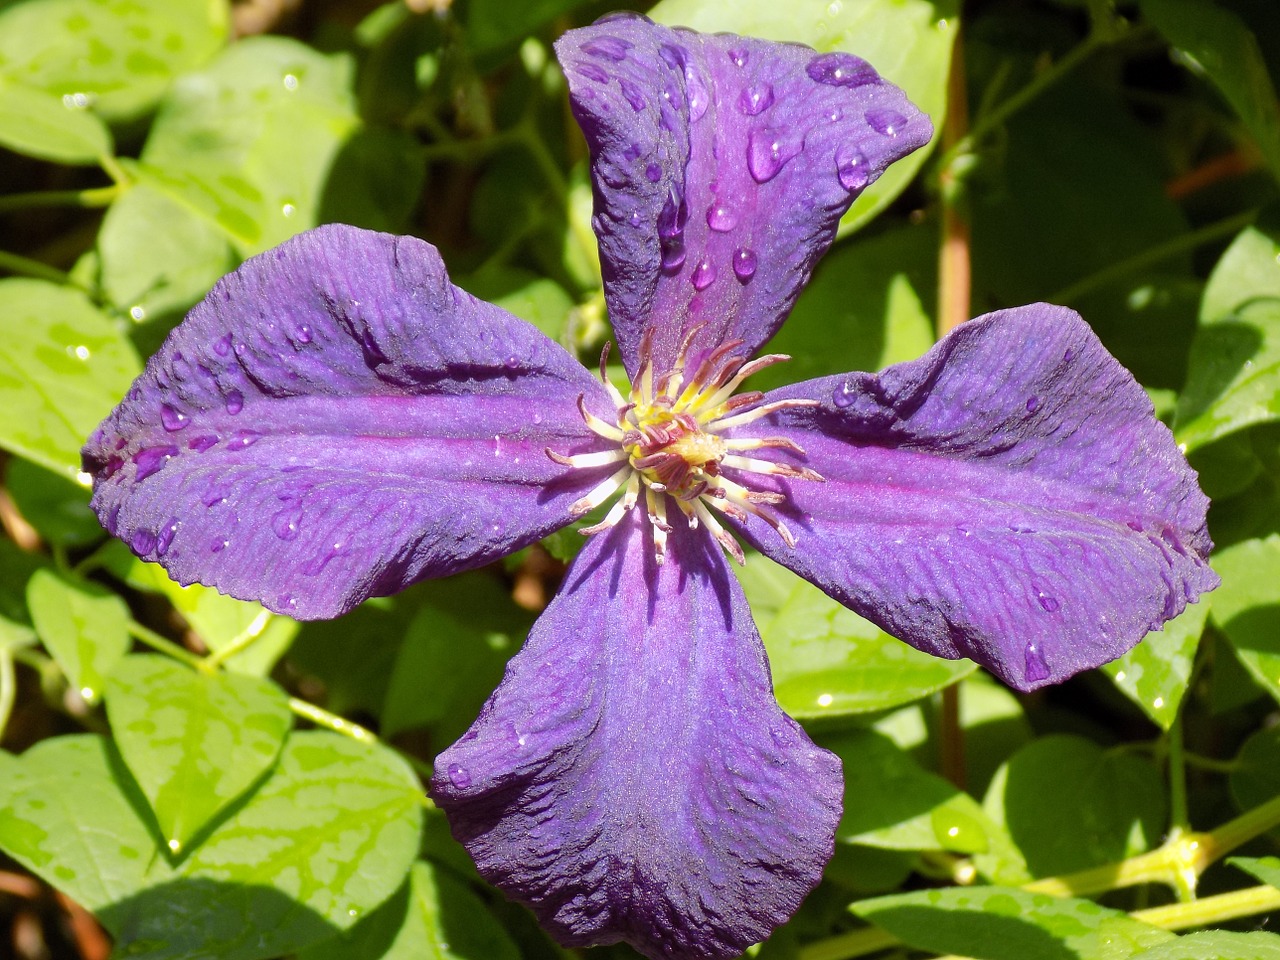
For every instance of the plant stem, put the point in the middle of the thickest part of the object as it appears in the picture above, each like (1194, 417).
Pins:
(164, 645)
(1153, 255)
(91, 198)
(15, 263)
(1207, 910)
(845, 946)
(954, 262)
(331, 721)
(246, 639)
(1177, 779)
(8, 687)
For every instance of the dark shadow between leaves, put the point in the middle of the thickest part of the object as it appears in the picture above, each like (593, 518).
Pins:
(1225, 347)
(198, 917)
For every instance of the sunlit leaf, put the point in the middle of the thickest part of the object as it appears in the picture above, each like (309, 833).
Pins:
(1246, 607)
(45, 126)
(1155, 673)
(83, 625)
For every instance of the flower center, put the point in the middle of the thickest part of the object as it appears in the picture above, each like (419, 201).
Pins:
(670, 447)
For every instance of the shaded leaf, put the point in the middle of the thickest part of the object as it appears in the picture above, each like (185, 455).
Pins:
(1246, 608)
(1255, 776)
(63, 366)
(1266, 869)
(54, 505)
(84, 627)
(193, 741)
(1155, 673)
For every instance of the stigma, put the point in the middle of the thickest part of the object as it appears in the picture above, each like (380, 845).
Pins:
(669, 450)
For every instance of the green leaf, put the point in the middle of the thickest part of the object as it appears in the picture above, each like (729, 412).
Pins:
(84, 626)
(434, 917)
(492, 23)
(827, 661)
(1003, 923)
(194, 741)
(51, 503)
(1155, 673)
(69, 814)
(1266, 869)
(1224, 47)
(864, 309)
(40, 125)
(908, 41)
(1246, 608)
(16, 568)
(157, 258)
(1255, 775)
(456, 648)
(118, 55)
(890, 802)
(540, 301)
(220, 621)
(1217, 945)
(249, 142)
(1235, 359)
(1070, 805)
(63, 365)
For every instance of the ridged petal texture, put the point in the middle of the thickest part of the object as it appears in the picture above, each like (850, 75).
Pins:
(336, 421)
(633, 778)
(721, 167)
(1008, 497)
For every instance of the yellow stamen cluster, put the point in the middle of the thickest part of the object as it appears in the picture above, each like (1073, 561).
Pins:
(670, 446)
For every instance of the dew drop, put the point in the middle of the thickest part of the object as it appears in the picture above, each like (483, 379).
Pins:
(1050, 604)
(697, 93)
(175, 845)
(841, 70)
(243, 439)
(852, 169)
(219, 545)
(721, 218)
(673, 255)
(151, 459)
(459, 776)
(138, 313)
(1068, 355)
(290, 82)
(844, 395)
(756, 99)
(633, 94)
(285, 523)
(768, 152)
(201, 443)
(222, 346)
(166, 536)
(744, 264)
(704, 274)
(739, 56)
(594, 72)
(886, 121)
(142, 541)
(1036, 668)
(171, 419)
(607, 47)
(673, 216)
(1033, 404)
(653, 173)
(234, 401)
(303, 333)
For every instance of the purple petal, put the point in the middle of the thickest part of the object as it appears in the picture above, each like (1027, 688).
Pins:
(633, 778)
(1009, 497)
(721, 167)
(336, 421)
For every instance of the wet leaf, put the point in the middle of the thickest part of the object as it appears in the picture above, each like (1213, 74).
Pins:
(84, 626)
(1155, 673)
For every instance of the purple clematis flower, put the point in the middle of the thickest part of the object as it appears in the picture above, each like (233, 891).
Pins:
(336, 421)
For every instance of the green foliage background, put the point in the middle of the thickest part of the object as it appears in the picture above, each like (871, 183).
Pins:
(209, 779)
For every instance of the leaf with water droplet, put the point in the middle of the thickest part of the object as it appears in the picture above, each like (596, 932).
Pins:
(1155, 673)
(435, 916)
(194, 741)
(1246, 608)
(84, 627)
(1217, 945)
(1005, 923)
(42, 125)
(52, 398)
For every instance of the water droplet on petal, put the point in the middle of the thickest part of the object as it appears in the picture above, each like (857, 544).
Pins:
(1033, 404)
(673, 255)
(653, 173)
(841, 70)
(243, 439)
(768, 151)
(703, 275)
(1050, 604)
(607, 48)
(151, 459)
(1066, 357)
(845, 394)
(755, 100)
(234, 401)
(142, 541)
(721, 218)
(1036, 668)
(219, 545)
(166, 536)
(201, 443)
(285, 523)
(852, 169)
(697, 93)
(458, 776)
(739, 56)
(633, 94)
(886, 121)
(594, 72)
(744, 264)
(222, 346)
(171, 419)
(303, 333)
